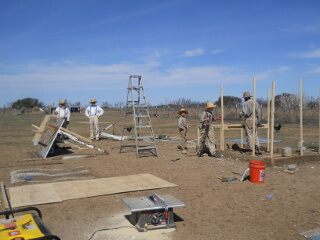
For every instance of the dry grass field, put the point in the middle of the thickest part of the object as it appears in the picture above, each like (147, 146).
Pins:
(214, 209)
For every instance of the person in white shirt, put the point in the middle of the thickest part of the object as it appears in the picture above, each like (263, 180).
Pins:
(63, 112)
(93, 112)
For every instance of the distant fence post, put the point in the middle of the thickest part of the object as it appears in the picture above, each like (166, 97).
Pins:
(301, 119)
(4, 109)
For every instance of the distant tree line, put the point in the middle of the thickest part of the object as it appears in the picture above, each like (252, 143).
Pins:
(26, 103)
(284, 101)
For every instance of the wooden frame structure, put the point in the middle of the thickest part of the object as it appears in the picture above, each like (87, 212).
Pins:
(224, 127)
(270, 121)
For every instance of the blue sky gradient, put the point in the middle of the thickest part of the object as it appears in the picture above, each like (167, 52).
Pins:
(78, 50)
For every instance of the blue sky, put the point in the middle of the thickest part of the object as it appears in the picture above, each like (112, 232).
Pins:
(78, 50)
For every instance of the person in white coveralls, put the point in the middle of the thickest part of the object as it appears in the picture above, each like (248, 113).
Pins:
(93, 112)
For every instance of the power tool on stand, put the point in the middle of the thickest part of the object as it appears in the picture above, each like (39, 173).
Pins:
(152, 212)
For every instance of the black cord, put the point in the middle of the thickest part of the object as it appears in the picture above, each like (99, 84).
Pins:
(106, 229)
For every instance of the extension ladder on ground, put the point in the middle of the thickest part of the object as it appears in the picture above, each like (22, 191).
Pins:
(136, 105)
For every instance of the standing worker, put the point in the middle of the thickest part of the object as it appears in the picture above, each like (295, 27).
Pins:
(247, 112)
(63, 112)
(207, 142)
(93, 112)
(183, 129)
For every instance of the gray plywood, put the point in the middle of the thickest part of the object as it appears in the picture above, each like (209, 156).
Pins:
(59, 191)
(48, 134)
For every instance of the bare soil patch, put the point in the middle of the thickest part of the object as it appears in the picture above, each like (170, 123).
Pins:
(214, 209)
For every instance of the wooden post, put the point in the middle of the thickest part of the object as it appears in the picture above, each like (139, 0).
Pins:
(4, 109)
(268, 121)
(254, 118)
(4, 197)
(222, 121)
(301, 119)
(241, 139)
(272, 123)
(319, 123)
(198, 138)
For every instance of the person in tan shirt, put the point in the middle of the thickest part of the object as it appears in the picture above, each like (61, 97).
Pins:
(183, 129)
(247, 112)
(207, 141)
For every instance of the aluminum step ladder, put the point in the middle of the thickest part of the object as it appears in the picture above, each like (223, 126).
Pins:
(136, 105)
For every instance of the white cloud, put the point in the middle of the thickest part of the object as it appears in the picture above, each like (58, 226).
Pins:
(302, 28)
(216, 51)
(311, 54)
(197, 76)
(268, 73)
(161, 53)
(74, 77)
(316, 70)
(193, 53)
(58, 76)
(284, 68)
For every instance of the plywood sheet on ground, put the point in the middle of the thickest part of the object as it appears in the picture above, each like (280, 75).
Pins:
(33, 195)
(59, 191)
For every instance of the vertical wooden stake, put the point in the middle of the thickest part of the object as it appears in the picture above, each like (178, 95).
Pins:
(198, 138)
(222, 120)
(4, 197)
(301, 119)
(254, 118)
(241, 139)
(272, 123)
(268, 121)
(319, 123)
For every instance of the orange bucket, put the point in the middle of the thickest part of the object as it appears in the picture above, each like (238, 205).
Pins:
(257, 171)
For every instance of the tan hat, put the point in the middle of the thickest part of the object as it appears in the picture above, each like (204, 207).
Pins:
(182, 110)
(246, 95)
(210, 105)
(62, 102)
(93, 100)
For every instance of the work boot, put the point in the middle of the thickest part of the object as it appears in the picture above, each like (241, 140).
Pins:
(199, 154)
(179, 147)
(216, 155)
(258, 150)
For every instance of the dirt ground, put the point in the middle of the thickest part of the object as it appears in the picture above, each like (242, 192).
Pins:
(213, 209)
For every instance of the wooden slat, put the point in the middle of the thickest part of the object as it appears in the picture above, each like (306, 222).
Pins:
(76, 135)
(4, 197)
(37, 137)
